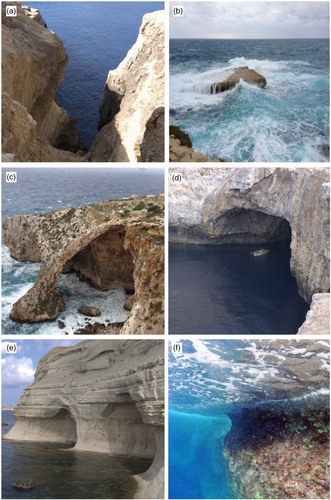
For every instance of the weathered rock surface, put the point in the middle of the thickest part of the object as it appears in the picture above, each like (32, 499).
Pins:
(218, 206)
(89, 311)
(242, 73)
(103, 396)
(317, 321)
(179, 152)
(132, 113)
(117, 244)
(33, 60)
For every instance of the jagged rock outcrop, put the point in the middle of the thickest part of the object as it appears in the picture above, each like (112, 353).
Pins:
(317, 321)
(220, 206)
(132, 113)
(242, 73)
(34, 127)
(179, 152)
(116, 244)
(103, 396)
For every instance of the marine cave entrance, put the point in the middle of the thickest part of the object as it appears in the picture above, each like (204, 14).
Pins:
(104, 264)
(126, 432)
(240, 225)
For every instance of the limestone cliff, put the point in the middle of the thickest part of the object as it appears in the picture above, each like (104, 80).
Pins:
(100, 396)
(254, 205)
(132, 113)
(117, 244)
(34, 127)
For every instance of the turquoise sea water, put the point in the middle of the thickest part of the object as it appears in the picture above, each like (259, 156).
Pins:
(286, 121)
(97, 37)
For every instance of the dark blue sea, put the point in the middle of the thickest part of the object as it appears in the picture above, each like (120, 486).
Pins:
(226, 290)
(45, 189)
(60, 473)
(288, 121)
(97, 37)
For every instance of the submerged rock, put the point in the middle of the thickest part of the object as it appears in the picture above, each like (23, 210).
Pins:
(242, 73)
(24, 484)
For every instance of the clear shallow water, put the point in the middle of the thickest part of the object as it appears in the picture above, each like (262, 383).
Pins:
(282, 122)
(225, 290)
(196, 463)
(65, 474)
(211, 379)
(97, 37)
(42, 190)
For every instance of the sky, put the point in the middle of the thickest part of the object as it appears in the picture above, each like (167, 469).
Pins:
(250, 20)
(18, 369)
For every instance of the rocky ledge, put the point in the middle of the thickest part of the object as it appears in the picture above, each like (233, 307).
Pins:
(181, 149)
(116, 244)
(132, 112)
(257, 205)
(35, 128)
(242, 73)
(107, 397)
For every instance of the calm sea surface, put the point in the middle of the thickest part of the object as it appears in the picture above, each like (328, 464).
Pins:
(97, 37)
(224, 289)
(286, 121)
(44, 189)
(60, 473)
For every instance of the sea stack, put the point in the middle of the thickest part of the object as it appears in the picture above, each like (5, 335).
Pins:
(242, 73)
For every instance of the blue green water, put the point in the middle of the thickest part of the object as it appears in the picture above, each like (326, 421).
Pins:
(283, 122)
(197, 468)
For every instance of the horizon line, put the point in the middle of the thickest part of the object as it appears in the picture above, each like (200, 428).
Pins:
(293, 38)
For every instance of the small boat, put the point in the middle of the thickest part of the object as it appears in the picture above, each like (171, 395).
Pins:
(261, 251)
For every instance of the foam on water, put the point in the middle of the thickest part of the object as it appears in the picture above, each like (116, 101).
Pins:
(283, 122)
(19, 277)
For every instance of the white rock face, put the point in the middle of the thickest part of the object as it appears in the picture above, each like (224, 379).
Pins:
(102, 396)
(205, 208)
(318, 317)
(132, 112)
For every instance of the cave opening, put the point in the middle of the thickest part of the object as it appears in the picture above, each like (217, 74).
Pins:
(237, 289)
(100, 276)
(126, 433)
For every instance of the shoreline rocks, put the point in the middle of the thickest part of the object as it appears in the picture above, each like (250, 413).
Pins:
(113, 403)
(132, 112)
(243, 73)
(110, 244)
(34, 127)
(181, 149)
(200, 207)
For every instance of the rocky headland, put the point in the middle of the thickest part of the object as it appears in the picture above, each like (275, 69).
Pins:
(132, 112)
(103, 396)
(260, 205)
(35, 128)
(116, 244)
(243, 73)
